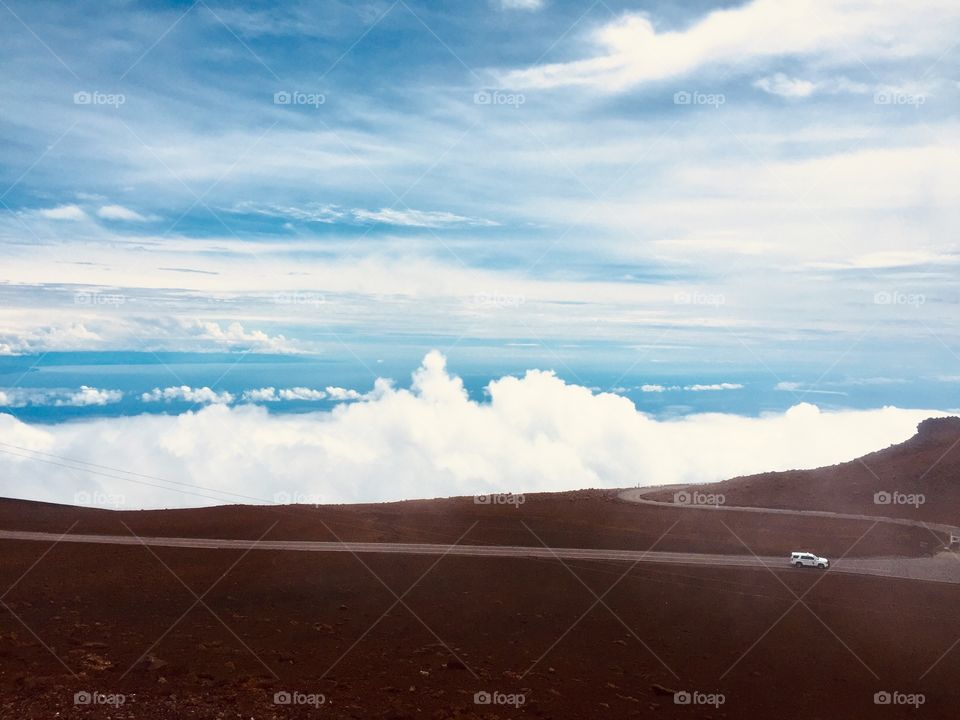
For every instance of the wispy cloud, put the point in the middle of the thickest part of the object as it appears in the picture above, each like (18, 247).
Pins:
(330, 214)
(63, 212)
(119, 212)
(634, 50)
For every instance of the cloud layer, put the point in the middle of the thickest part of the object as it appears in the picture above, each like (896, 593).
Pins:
(535, 433)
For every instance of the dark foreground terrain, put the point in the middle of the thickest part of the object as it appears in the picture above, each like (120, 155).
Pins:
(188, 633)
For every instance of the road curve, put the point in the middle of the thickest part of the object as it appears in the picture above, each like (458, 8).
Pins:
(933, 569)
(638, 495)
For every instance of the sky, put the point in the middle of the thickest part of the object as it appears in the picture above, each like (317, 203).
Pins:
(285, 212)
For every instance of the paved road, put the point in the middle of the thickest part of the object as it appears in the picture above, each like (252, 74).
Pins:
(940, 569)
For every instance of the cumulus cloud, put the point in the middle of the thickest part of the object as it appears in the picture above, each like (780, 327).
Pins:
(535, 433)
(339, 393)
(85, 396)
(271, 394)
(235, 335)
(185, 393)
(91, 396)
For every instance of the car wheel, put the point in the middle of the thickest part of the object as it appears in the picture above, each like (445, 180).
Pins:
(798, 564)
(822, 566)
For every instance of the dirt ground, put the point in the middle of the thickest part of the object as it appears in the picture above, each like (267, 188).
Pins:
(125, 621)
(187, 633)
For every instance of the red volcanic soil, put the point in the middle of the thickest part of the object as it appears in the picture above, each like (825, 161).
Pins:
(189, 633)
(927, 465)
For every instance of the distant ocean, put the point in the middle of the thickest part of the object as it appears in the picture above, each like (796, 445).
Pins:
(660, 391)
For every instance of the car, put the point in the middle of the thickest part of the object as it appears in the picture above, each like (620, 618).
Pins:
(808, 559)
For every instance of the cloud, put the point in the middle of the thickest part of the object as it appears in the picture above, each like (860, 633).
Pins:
(119, 212)
(690, 388)
(655, 388)
(634, 50)
(522, 4)
(419, 218)
(804, 389)
(536, 433)
(185, 393)
(85, 396)
(270, 394)
(784, 86)
(63, 212)
(109, 330)
(302, 393)
(91, 396)
(329, 214)
(339, 393)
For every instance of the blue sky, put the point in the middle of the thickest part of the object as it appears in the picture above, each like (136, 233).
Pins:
(616, 191)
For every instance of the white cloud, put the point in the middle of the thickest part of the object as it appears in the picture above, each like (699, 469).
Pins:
(804, 389)
(271, 394)
(328, 214)
(185, 393)
(119, 212)
(267, 394)
(339, 393)
(63, 212)
(302, 393)
(654, 388)
(535, 433)
(107, 328)
(85, 396)
(419, 218)
(691, 388)
(633, 50)
(522, 4)
(91, 396)
(780, 84)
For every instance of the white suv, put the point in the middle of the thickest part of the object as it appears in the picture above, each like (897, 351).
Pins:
(807, 559)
